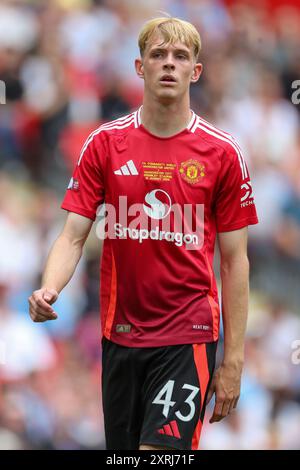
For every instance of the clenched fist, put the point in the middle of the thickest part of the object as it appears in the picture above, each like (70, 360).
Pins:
(40, 302)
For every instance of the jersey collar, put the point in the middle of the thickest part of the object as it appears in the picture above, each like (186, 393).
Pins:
(190, 127)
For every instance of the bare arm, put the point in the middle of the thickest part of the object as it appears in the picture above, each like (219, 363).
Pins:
(235, 293)
(60, 266)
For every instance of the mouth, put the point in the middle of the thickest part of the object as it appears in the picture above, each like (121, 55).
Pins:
(167, 79)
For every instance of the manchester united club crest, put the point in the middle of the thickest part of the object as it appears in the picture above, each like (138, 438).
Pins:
(192, 171)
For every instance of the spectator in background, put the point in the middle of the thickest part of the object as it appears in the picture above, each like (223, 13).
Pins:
(52, 52)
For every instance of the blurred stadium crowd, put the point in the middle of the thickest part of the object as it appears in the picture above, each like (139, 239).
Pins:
(68, 66)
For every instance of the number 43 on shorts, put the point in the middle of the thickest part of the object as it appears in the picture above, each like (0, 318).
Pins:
(164, 397)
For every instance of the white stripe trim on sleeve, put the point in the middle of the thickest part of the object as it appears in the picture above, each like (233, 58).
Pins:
(118, 121)
(229, 142)
(229, 137)
(97, 131)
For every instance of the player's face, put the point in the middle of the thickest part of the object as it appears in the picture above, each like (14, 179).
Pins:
(168, 69)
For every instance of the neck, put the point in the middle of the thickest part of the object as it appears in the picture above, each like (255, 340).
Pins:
(165, 120)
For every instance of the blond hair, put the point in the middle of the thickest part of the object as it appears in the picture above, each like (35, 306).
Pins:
(172, 30)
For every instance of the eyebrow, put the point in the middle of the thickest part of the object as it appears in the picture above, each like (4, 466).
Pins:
(163, 49)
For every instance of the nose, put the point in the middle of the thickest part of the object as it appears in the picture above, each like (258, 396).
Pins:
(169, 62)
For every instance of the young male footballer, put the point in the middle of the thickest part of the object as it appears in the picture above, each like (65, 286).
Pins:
(172, 183)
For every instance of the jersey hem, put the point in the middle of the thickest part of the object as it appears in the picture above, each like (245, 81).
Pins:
(78, 210)
(237, 225)
(167, 341)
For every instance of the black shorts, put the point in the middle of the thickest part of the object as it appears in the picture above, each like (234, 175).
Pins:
(155, 396)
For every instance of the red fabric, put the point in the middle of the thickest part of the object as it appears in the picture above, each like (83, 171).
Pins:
(157, 292)
(200, 359)
(175, 429)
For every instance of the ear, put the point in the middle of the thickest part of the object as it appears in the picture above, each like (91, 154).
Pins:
(139, 68)
(196, 72)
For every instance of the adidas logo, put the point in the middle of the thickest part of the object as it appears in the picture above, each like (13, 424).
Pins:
(170, 430)
(127, 169)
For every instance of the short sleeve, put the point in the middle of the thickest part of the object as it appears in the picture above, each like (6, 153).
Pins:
(85, 191)
(234, 205)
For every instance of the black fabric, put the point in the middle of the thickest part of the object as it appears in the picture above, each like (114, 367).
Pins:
(132, 378)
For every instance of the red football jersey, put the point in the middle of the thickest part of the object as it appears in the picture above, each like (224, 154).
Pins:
(165, 199)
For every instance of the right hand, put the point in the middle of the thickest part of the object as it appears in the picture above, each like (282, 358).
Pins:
(40, 302)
